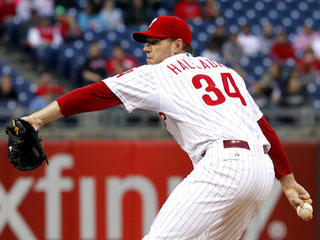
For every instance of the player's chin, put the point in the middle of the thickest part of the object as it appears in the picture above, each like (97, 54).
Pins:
(151, 61)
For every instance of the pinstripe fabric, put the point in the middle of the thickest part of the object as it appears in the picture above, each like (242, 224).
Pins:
(220, 196)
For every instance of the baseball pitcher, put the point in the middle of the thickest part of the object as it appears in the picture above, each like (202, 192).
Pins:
(206, 107)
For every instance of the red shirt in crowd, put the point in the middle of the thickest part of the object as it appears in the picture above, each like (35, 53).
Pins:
(7, 9)
(47, 32)
(282, 51)
(44, 89)
(188, 9)
(306, 66)
(115, 66)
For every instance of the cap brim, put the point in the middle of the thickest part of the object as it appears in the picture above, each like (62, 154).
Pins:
(142, 36)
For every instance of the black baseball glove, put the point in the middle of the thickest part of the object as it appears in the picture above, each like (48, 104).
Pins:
(25, 151)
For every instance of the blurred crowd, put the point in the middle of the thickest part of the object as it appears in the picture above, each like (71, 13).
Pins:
(287, 76)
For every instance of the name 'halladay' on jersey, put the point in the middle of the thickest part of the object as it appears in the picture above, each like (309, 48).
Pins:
(200, 101)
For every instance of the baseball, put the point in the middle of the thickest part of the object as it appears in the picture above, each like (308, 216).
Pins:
(305, 211)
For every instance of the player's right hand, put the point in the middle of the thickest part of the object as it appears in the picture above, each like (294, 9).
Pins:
(295, 193)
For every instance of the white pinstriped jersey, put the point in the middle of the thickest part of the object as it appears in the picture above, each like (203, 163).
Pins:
(200, 100)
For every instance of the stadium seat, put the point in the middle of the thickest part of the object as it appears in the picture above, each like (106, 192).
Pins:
(5, 70)
(202, 37)
(163, 12)
(313, 90)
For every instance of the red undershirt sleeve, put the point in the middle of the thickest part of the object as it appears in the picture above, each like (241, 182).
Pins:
(90, 98)
(276, 153)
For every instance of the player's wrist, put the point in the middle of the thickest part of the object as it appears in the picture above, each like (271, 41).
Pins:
(287, 181)
(34, 121)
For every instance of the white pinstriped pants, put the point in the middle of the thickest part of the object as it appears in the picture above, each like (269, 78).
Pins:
(218, 198)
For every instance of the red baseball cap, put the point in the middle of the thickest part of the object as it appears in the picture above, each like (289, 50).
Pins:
(165, 27)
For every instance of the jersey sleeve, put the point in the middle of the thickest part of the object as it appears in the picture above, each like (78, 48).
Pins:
(133, 87)
(277, 154)
(94, 97)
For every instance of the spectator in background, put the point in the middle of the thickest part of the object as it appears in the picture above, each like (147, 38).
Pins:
(43, 7)
(7, 11)
(305, 39)
(39, 102)
(7, 92)
(268, 89)
(212, 52)
(210, 10)
(21, 37)
(294, 94)
(308, 66)
(16, 30)
(8, 98)
(240, 70)
(308, 62)
(266, 38)
(74, 32)
(188, 9)
(69, 29)
(47, 86)
(282, 49)
(249, 42)
(232, 52)
(120, 62)
(61, 18)
(23, 9)
(219, 37)
(112, 16)
(316, 48)
(138, 13)
(93, 69)
(89, 20)
(46, 92)
(40, 38)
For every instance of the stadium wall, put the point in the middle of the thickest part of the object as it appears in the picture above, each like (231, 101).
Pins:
(112, 189)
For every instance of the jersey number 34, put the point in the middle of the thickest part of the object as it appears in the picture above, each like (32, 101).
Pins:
(227, 79)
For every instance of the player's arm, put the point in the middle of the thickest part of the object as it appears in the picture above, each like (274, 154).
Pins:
(295, 193)
(44, 116)
(276, 153)
(90, 98)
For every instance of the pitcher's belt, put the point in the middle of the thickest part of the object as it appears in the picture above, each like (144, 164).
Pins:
(240, 144)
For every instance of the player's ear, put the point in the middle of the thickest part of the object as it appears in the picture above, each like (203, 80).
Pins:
(178, 46)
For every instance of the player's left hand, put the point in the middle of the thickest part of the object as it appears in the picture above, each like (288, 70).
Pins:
(25, 151)
(295, 193)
